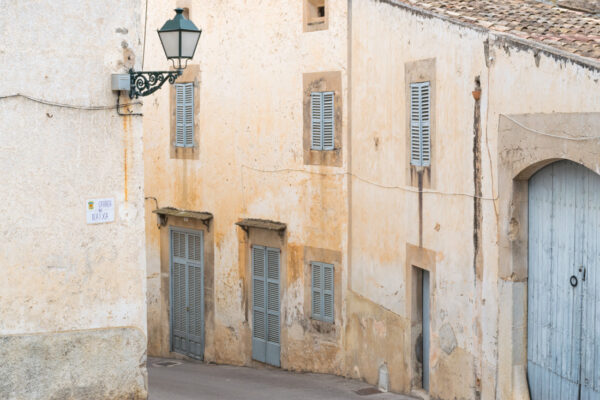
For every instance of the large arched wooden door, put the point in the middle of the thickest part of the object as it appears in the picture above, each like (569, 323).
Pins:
(563, 346)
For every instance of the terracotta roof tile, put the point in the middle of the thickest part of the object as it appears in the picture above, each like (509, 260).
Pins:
(573, 31)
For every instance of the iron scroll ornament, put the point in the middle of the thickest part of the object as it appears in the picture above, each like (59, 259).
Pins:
(144, 83)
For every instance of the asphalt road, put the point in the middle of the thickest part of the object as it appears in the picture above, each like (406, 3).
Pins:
(190, 380)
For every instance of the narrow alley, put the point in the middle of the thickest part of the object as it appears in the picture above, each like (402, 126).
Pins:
(178, 380)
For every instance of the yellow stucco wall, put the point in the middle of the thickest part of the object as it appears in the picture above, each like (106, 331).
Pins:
(385, 218)
(250, 164)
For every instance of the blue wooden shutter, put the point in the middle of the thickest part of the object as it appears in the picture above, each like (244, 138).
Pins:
(179, 115)
(178, 293)
(316, 289)
(420, 126)
(273, 313)
(188, 99)
(426, 331)
(259, 292)
(322, 277)
(316, 121)
(195, 280)
(328, 120)
(328, 301)
(184, 114)
(425, 124)
(187, 293)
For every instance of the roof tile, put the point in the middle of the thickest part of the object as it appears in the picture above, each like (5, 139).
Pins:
(573, 31)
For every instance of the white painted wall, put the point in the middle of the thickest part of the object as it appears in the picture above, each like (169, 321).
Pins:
(60, 274)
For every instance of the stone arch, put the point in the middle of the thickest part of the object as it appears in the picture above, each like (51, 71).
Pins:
(563, 219)
(522, 152)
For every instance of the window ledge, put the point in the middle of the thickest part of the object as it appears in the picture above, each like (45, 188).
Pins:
(248, 223)
(166, 212)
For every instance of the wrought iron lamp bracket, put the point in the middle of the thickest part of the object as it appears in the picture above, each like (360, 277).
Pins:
(144, 83)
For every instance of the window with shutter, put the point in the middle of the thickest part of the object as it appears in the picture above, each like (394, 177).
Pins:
(322, 291)
(322, 117)
(317, 293)
(316, 100)
(420, 126)
(184, 115)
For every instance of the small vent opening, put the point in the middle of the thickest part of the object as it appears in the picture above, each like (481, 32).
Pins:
(316, 10)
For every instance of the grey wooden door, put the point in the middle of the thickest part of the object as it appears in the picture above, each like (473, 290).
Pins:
(426, 333)
(187, 293)
(265, 305)
(563, 347)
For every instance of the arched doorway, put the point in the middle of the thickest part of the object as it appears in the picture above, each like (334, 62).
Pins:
(563, 324)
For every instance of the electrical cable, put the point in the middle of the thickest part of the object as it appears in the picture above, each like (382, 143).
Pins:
(144, 45)
(549, 134)
(411, 189)
(404, 188)
(71, 106)
(124, 105)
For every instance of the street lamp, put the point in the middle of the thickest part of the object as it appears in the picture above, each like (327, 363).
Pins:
(179, 37)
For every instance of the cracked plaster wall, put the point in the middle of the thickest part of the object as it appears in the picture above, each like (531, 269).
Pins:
(66, 284)
(250, 117)
(249, 162)
(468, 360)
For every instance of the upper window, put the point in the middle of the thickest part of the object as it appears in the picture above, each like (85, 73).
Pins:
(322, 117)
(184, 115)
(315, 15)
(316, 11)
(322, 291)
(420, 124)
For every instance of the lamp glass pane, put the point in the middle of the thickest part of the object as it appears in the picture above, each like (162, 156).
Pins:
(189, 40)
(170, 42)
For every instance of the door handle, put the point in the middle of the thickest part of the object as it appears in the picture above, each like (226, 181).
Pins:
(574, 281)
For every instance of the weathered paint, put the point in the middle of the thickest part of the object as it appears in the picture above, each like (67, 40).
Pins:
(252, 123)
(562, 302)
(383, 218)
(71, 294)
(86, 364)
(369, 208)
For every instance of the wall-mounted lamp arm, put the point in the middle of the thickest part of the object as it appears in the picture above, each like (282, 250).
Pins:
(143, 83)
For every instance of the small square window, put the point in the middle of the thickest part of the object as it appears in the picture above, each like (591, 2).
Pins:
(315, 15)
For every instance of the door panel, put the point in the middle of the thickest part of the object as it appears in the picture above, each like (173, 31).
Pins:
(426, 336)
(196, 310)
(187, 293)
(179, 314)
(590, 370)
(259, 293)
(273, 328)
(266, 305)
(562, 226)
